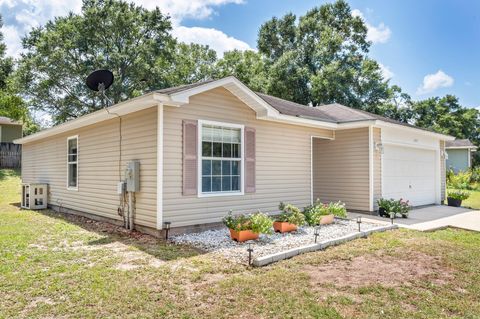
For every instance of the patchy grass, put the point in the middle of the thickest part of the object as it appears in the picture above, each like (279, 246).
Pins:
(57, 266)
(473, 201)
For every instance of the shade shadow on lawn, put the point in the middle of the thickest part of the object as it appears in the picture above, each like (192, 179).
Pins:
(158, 248)
(5, 173)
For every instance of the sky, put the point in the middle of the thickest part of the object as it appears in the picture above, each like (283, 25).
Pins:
(428, 48)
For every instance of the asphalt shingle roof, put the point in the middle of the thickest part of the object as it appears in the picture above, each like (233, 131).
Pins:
(459, 143)
(335, 113)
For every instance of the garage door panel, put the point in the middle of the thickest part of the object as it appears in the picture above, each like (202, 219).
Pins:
(409, 173)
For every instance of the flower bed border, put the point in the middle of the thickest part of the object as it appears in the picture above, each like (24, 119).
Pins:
(269, 259)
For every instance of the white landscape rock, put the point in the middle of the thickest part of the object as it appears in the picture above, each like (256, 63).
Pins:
(219, 242)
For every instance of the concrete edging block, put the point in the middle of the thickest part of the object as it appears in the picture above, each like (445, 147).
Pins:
(266, 260)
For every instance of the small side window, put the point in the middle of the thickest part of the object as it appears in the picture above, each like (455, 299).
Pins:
(72, 162)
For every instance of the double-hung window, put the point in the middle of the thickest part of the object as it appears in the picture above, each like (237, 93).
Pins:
(72, 163)
(221, 158)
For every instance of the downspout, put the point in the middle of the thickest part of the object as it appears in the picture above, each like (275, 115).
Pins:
(370, 166)
(160, 166)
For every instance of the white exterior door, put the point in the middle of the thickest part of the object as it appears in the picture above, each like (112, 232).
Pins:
(409, 173)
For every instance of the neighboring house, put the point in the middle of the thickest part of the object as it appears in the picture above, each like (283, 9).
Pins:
(459, 154)
(9, 130)
(215, 146)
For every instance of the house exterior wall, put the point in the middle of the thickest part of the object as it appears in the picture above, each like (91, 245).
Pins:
(443, 172)
(377, 167)
(8, 133)
(458, 159)
(45, 161)
(341, 169)
(283, 157)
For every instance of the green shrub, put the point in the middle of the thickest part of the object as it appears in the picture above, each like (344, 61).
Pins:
(338, 209)
(313, 213)
(475, 175)
(258, 223)
(461, 180)
(290, 214)
(458, 194)
(400, 206)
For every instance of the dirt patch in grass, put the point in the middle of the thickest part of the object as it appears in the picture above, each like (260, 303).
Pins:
(387, 271)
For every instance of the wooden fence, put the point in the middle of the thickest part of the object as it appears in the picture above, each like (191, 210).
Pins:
(10, 155)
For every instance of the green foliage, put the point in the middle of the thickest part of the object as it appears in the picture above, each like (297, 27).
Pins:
(248, 66)
(446, 115)
(458, 194)
(290, 214)
(258, 222)
(133, 42)
(338, 209)
(321, 57)
(261, 223)
(461, 180)
(475, 175)
(313, 213)
(400, 206)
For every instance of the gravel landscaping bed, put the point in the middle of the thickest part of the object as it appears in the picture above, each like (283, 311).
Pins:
(219, 242)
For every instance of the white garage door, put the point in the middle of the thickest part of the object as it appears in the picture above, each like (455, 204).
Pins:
(409, 173)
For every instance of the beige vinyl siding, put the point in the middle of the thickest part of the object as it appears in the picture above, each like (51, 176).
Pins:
(341, 169)
(377, 167)
(282, 161)
(443, 172)
(98, 167)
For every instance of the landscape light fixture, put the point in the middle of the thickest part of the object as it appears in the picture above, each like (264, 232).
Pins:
(167, 229)
(359, 222)
(250, 251)
(392, 216)
(316, 233)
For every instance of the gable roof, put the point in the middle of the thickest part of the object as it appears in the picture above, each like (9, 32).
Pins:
(462, 143)
(267, 107)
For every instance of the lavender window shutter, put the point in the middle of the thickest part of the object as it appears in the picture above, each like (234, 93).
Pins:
(249, 160)
(190, 154)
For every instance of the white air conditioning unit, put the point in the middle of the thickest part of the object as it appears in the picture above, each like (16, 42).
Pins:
(34, 196)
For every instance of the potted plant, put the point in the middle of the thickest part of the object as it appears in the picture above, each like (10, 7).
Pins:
(384, 207)
(403, 207)
(321, 214)
(455, 197)
(388, 206)
(289, 219)
(248, 227)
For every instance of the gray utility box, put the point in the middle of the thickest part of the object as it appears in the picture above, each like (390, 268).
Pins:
(132, 176)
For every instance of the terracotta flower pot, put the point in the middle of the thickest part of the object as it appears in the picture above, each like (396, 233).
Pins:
(327, 219)
(284, 227)
(243, 235)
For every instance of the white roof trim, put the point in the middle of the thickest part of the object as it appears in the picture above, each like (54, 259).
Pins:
(123, 108)
(460, 147)
(443, 137)
(231, 83)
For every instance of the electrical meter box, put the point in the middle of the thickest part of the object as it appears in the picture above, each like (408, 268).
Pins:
(132, 176)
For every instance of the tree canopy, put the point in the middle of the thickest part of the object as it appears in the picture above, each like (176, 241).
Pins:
(319, 58)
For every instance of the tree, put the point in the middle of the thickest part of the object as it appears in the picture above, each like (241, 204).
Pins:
(191, 63)
(11, 105)
(248, 66)
(446, 115)
(323, 59)
(132, 42)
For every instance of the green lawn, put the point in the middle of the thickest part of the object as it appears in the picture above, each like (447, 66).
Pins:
(473, 201)
(62, 267)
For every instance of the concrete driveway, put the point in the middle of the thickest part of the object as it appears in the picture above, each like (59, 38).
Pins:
(432, 218)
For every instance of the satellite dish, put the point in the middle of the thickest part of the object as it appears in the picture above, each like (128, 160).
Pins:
(100, 80)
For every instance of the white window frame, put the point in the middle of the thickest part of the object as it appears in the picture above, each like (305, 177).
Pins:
(68, 163)
(200, 125)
